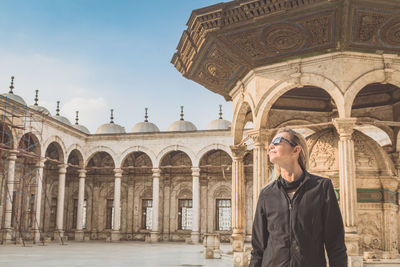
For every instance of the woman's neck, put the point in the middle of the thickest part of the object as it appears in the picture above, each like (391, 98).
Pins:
(291, 173)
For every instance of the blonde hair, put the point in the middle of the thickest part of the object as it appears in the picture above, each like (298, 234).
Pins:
(303, 155)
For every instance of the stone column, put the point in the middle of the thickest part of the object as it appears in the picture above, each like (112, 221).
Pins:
(347, 183)
(195, 235)
(260, 163)
(59, 232)
(155, 233)
(238, 206)
(115, 233)
(38, 201)
(8, 231)
(79, 233)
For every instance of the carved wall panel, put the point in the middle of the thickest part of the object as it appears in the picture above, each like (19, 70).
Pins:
(370, 230)
(324, 153)
(364, 156)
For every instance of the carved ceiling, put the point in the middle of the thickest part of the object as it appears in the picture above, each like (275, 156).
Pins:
(224, 42)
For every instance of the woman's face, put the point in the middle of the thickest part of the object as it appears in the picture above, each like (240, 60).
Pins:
(283, 153)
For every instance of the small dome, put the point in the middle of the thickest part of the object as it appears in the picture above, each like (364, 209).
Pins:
(145, 127)
(81, 128)
(38, 108)
(182, 125)
(60, 118)
(219, 124)
(12, 96)
(110, 128)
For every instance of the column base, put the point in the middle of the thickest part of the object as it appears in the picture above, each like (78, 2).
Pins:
(59, 235)
(36, 236)
(195, 236)
(115, 236)
(238, 242)
(240, 259)
(79, 235)
(154, 237)
(8, 236)
(355, 261)
(352, 244)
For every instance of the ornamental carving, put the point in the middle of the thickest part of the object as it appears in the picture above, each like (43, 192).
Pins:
(364, 157)
(319, 29)
(390, 32)
(283, 37)
(370, 230)
(323, 154)
(368, 27)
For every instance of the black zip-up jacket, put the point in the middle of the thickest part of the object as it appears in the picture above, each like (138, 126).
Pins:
(292, 232)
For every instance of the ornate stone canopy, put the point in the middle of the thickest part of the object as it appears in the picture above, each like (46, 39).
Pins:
(225, 41)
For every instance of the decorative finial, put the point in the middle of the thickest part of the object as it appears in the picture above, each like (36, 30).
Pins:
(182, 113)
(11, 85)
(58, 108)
(220, 112)
(36, 97)
(112, 116)
(77, 118)
(145, 115)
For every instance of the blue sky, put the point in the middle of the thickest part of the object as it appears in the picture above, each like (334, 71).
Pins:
(96, 55)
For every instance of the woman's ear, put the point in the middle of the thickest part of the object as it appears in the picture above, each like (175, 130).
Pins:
(297, 149)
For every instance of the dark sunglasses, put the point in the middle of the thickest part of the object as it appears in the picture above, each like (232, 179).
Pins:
(278, 140)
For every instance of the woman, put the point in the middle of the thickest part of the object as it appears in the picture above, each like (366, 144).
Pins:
(297, 214)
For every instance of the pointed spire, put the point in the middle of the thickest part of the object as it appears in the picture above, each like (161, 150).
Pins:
(11, 85)
(36, 97)
(145, 115)
(182, 113)
(220, 112)
(112, 116)
(58, 108)
(77, 118)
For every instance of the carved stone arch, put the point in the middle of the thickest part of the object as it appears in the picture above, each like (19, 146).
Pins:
(170, 148)
(184, 192)
(8, 135)
(364, 144)
(79, 157)
(133, 149)
(323, 150)
(80, 150)
(146, 192)
(241, 115)
(96, 149)
(281, 87)
(107, 191)
(209, 148)
(57, 140)
(386, 129)
(220, 190)
(37, 148)
(374, 76)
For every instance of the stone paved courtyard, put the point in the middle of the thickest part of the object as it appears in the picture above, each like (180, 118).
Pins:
(111, 254)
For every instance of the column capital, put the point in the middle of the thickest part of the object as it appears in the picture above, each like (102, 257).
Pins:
(259, 136)
(41, 163)
(62, 168)
(195, 171)
(344, 126)
(82, 173)
(156, 172)
(12, 155)
(238, 151)
(117, 173)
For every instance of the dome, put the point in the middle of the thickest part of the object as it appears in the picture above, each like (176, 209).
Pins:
(81, 128)
(12, 96)
(62, 119)
(38, 108)
(110, 128)
(182, 126)
(219, 124)
(145, 127)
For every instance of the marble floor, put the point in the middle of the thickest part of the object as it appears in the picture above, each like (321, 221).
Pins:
(94, 253)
